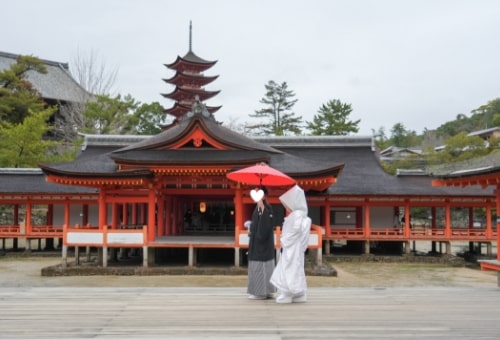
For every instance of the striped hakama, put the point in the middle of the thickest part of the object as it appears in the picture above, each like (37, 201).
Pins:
(259, 274)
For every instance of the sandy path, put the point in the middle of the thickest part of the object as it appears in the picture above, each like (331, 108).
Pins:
(25, 272)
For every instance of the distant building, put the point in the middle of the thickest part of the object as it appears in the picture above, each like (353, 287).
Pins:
(56, 87)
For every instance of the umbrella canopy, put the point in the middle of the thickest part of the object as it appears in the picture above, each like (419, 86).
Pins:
(260, 174)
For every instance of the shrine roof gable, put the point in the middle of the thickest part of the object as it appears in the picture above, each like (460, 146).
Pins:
(199, 131)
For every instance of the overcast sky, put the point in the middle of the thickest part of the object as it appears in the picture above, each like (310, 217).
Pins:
(416, 62)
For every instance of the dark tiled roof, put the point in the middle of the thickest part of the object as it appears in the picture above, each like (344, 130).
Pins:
(363, 175)
(56, 84)
(192, 57)
(216, 131)
(32, 181)
(190, 157)
(91, 164)
(295, 156)
(199, 63)
(475, 166)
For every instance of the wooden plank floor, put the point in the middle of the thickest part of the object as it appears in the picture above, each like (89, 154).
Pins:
(226, 313)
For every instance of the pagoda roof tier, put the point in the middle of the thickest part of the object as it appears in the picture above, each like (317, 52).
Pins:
(183, 94)
(190, 62)
(181, 78)
(179, 110)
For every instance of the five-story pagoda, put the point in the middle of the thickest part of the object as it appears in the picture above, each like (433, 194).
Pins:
(189, 82)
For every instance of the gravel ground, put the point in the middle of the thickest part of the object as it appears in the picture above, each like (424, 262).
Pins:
(26, 272)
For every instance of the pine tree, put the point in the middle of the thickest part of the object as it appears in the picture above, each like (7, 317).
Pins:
(333, 120)
(17, 95)
(277, 118)
(22, 144)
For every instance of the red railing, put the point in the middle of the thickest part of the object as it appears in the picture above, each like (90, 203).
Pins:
(9, 230)
(415, 233)
(34, 231)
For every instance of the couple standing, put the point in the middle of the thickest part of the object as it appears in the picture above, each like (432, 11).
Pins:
(289, 276)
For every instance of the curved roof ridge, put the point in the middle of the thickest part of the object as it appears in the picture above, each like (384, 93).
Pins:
(317, 141)
(218, 132)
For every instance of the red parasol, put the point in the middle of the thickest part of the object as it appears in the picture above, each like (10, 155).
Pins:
(260, 174)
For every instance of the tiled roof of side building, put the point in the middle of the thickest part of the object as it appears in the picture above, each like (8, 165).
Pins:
(56, 84)
(479, 165)
(363, 175)
(32, 181)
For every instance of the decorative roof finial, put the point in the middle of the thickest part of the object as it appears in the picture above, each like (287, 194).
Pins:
(198, 109)
(190, 35)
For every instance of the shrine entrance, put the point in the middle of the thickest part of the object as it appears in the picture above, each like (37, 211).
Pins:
(208, 216)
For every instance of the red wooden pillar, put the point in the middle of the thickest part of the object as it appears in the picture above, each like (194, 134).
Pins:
(102, 210)
(367, 228)
(327, 217)
(407, 225)
(49, 220)
(27, 221)
(161, 215)
(67, 213)
(124, 214)
(238, 209)
(151, 215)
(447, 219)
(114, 215)
(497, 192)
(16, 222)
(367, 220)
(489, 231)
(168, 217)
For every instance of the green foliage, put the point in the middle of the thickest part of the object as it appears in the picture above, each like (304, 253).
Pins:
(410, 162)
(381, 140)
(149, 118)
(333, 120)
(483, 117)
(109, 115)
(400, 137)
(21, 144)
(403, 138)
(494, 144)
(63, 152)
(17, 95)
(277, 118)
(458, 148)
(451, 128)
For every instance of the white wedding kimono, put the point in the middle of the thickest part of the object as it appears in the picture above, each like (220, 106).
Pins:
(289, 275)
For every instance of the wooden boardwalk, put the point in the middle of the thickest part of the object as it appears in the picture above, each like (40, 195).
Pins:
(226, 313)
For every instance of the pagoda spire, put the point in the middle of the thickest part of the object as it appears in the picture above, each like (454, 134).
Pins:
(189, 82)
(190, 36)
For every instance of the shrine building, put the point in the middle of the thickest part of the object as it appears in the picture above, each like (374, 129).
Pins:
(167, 194)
